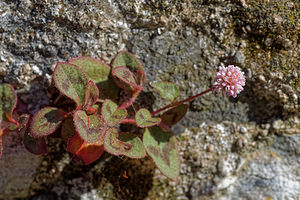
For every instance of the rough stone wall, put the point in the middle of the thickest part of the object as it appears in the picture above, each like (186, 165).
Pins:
(244, 148)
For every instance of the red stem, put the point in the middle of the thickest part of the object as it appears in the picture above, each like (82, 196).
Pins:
(11, 120)
(173, 104)
(58, 99)
(127, 103)
(131, 100)
(128, 121)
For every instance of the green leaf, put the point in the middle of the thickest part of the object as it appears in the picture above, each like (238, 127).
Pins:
(99, 72)
(67, 129)
(35, 145)
(90, 127)
(128, 60)
(97, 106)
(166, 90)
(46, 121)
(95, 69)
(71, 80)
(111, 114)
(144, 119)
(114, 146)
(137, 150)
(91, 95)
(174, 115)
(162, 148)
(8, 101)
(12, 127)
(126, 76)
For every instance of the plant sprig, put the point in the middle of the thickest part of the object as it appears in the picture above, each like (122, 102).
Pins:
(91, 126)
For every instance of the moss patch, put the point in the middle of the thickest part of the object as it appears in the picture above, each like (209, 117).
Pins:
(271, 30)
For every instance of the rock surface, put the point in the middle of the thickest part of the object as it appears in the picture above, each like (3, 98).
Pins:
(244, 148)
(18, 167)
(225, 161)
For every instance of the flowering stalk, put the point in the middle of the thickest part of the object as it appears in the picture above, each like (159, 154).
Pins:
(177, 103)
(173, 104)
(230, 80)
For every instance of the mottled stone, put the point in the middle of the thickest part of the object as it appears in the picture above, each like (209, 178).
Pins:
(268, 173)
(179, 41)
(267, 169)
(17, 168)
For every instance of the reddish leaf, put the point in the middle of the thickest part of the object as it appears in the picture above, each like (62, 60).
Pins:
(21, 107)
(173, 116)
(87, 152)
(90, 127)
(67, 130)
(46, 121)
(35, 145)
(75, 143)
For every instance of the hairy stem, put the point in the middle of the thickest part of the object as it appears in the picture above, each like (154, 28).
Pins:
(177, 103)
(131, 100)
(11, 120)
(128, 121)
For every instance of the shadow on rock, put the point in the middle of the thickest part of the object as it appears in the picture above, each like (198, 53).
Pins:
(131, 178)
(264, 105)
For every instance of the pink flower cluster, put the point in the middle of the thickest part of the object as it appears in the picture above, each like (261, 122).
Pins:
(230, 80)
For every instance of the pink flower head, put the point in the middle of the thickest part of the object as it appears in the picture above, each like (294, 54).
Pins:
(230, 80)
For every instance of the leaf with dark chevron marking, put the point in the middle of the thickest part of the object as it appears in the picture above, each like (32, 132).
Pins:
(46, 121)
(71, 81)
(162, 148)
(90, 127)
(111, 114)
(144, 119)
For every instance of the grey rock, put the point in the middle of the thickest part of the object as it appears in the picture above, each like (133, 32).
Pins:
(269, 173)
(182, 42)
(18, 167)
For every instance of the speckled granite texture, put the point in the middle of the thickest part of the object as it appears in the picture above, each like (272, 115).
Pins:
(243, 148)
